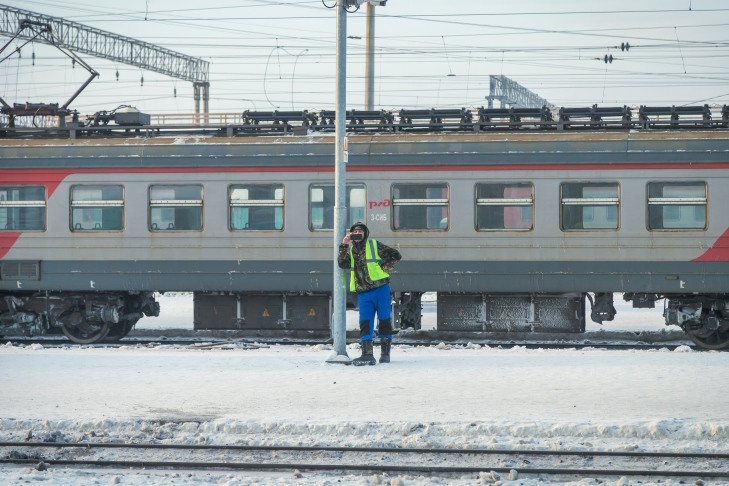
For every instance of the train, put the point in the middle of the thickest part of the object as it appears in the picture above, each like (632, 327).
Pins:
(519, 227)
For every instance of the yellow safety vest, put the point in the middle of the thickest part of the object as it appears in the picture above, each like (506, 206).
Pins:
(373, 264)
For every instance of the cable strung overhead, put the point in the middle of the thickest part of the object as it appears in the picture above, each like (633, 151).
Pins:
(107, 45)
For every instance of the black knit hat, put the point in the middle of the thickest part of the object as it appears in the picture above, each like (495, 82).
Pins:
(360, 226)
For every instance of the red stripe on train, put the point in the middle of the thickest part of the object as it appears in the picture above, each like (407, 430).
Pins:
(7, 240)
(49, 178)
(719, 251)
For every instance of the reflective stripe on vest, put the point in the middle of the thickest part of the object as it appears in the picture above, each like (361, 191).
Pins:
(373, 264)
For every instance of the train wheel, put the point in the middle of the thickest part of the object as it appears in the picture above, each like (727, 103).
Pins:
(119, 330)
(709, 340)
(86, 332)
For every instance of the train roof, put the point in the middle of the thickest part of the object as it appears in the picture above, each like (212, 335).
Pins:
(433, 124)
(190, 137)
(693, 138)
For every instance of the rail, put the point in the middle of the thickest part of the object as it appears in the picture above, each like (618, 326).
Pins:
(209, 119)
(512, 462)
(606, 340)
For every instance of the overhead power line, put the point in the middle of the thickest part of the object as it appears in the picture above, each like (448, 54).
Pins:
(107, 45)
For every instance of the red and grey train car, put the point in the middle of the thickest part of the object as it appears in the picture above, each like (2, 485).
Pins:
(513, 229)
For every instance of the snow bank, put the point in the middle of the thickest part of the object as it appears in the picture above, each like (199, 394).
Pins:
(662, 435)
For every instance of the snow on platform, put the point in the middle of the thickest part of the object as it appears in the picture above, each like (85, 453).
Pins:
(466, 396)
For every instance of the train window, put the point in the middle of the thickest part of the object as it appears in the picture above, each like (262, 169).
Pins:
(22, 208)
(590, 206)
(420, 206)
(676, 205)
(256, 206)
(321, 205)
(97, 208)
(175, 208)
(504, 206)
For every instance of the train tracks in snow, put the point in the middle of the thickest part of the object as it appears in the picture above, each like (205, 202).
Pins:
(207, 343)
(435, 462)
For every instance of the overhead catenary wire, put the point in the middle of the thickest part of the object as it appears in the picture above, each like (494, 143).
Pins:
(679, 49)
(409, 57)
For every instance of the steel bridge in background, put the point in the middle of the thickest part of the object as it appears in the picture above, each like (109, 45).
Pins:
(510, 93)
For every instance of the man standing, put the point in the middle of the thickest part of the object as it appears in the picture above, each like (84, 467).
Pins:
(370, 261)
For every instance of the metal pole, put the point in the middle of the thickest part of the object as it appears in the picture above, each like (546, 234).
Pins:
(206, 100)
(196, 98)
(339, 293)
(370, 59)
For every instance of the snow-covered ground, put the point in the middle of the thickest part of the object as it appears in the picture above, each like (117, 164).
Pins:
(450, 396)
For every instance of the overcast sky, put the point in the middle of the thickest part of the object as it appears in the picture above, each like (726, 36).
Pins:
(267, 54)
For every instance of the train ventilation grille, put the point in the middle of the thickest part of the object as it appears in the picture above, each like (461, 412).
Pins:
(20, 270)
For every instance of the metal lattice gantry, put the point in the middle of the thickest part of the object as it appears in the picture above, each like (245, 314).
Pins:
(115, 47)
(511, 93)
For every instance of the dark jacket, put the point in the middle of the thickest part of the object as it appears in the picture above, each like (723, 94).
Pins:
(388, 258)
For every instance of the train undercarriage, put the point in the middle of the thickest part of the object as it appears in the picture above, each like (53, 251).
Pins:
(84, 318)
(87, 318)
(703, 317)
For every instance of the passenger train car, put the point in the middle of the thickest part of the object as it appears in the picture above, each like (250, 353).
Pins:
(516, 230)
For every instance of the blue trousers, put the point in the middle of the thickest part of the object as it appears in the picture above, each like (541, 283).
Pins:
(374, 302)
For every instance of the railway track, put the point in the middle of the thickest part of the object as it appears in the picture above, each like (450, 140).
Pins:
(252, 343)
(508, 464)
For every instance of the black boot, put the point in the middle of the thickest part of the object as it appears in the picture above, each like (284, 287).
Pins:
(385, 349)
(367, 357)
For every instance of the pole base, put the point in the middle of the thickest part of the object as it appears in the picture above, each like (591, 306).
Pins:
(335, 358)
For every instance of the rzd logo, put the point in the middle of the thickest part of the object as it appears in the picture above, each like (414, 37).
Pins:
(380, 204)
